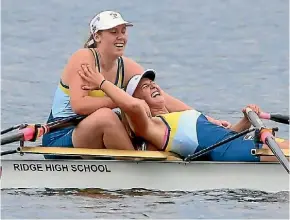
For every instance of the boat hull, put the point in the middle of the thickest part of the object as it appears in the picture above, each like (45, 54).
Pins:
(152, 175)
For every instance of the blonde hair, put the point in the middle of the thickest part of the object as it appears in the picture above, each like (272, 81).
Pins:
(90, 42)
(137, 142)
(127, 125)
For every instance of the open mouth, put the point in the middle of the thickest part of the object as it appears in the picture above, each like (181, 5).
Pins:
(155, 94)
(120, 45)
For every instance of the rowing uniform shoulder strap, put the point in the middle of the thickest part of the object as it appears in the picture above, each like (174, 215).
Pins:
(97, 61)
(121, 72)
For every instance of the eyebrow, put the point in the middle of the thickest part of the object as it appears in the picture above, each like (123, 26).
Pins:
(146, 83)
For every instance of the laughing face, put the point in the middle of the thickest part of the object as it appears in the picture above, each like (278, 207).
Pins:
(150, 92)
(113, 40)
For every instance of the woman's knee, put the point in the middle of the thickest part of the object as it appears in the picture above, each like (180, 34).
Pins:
(107, 118)
(106, 113)
(101, 118)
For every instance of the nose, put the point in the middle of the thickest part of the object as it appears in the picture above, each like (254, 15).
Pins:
(120, 36)
(152, 85)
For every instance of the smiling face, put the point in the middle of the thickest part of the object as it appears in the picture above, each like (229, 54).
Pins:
(113, 40)
(149, 91)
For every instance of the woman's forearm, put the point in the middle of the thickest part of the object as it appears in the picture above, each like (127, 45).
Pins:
(133, 107)
(173, 104)
(122, 99)
(242, 125)
(87, 105)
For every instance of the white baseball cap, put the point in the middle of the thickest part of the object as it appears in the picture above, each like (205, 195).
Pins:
(106, 20)
(134, 81)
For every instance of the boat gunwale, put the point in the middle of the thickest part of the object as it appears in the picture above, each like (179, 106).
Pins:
(140, 161)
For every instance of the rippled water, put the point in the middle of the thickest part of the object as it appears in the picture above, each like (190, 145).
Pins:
(94, 203)
(216, 55)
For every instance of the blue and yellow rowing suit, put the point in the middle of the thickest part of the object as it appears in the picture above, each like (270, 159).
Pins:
(61, 107)
(190, 131)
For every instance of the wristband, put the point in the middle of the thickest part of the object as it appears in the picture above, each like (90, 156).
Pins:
(102, 83)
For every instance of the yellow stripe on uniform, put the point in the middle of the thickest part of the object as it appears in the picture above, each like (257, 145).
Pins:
(65, 90)
(93, 93)
(173, 121)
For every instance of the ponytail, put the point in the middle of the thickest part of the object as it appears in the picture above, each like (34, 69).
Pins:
(126, 125)
(90, 43)
(138, 142)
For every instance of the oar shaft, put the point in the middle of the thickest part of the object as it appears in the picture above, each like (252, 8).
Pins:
(12, 138)
(280, 155)
(64, 122)
(10, 129)
(275, 117)
(267, 138)
(8, 152)
(208, 149)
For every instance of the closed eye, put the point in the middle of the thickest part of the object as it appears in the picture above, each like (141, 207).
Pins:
(145, 86)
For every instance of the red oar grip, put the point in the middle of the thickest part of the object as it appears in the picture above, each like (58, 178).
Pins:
(265, 133)
(32, 132)
(28, 133)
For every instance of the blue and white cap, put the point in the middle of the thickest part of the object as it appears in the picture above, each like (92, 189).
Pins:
(106, 20)
(134, 81)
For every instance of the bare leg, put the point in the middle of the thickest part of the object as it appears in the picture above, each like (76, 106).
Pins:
(102, 129)
(151, 147)
(284, 144)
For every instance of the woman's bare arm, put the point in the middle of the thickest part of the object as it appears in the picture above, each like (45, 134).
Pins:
(134, 108)
(174, 104)
(132, 68)
(242, 125)
(137, 110)
(80, 101)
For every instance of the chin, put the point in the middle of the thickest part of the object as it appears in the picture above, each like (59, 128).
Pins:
(119, 52)
(159, 100)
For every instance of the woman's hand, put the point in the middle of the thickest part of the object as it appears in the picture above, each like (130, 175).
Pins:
(93, 78)
(225, 124)
(222, 123)
(254, 107)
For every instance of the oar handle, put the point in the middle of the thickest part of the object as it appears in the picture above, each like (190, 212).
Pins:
(254, 119)
(267, 138)
(275, 117)
(34, 131)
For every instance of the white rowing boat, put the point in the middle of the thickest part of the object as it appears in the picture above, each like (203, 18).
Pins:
(151, 170)
(139, 169)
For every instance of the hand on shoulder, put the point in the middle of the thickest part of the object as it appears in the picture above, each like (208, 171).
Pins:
(94, 79)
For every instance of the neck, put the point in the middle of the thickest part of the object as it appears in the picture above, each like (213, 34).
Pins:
(107, 61)
(158, 111)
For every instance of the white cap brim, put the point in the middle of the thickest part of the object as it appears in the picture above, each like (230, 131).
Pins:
(112, 25)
